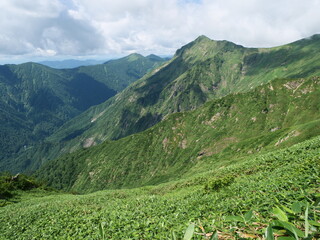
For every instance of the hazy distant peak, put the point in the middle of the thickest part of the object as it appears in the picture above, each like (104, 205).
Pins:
(315, 37)
(134, 56)
(154, 57)
(70, 63)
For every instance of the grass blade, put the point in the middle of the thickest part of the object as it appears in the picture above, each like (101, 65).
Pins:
(281, 215)
(173, 235)
(248, 216)
(233, 219)
(214, 236)
(289, 227)
(189, 232)
(101, 230)
(306, 222)
(296, 207)
(269, 233)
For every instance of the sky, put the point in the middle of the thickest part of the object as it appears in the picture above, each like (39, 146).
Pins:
(103, 29)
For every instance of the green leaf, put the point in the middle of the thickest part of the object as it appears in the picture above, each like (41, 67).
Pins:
(269, 233)
(173, 235)
(306, 222)
(286, 238)
(281, 215)
(296, 207)
(248, 216)
(189, 232)
(287, 209)
(314, 223)
(289, 227)
(101, 230)
(233, 219)
(214, 236)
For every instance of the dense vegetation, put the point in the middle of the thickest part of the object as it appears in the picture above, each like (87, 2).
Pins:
(36, 100)
(11, 185)
(200, 71)
(221, 142)
(278, 114)
(238, 201)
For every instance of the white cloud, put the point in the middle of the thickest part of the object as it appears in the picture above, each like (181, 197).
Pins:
(108, 27)
(44, 26)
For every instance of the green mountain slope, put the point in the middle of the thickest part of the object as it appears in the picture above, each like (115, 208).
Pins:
(35, 100)
(202, 70)
(278, 114)
(118, 74)
(237, 202)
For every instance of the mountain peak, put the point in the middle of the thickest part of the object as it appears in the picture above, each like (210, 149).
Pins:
(203, 45)
(202, 38)
(134, 56)
(154, 57)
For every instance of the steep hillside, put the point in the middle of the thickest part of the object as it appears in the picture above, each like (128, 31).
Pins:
(245, 200)
(202, 70)
(35, 100)
(275, 115)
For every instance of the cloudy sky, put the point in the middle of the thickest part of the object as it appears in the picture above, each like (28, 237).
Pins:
(56, 29)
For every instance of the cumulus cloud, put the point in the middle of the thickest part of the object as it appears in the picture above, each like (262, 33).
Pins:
(44, 27)
(108, 27)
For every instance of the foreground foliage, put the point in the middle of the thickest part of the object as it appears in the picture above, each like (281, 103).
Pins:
(11, 185)
(270, 195)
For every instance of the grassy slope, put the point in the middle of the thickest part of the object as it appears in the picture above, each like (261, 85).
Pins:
(257, 183)
(274, 115)
(200, 71)
(35, 99)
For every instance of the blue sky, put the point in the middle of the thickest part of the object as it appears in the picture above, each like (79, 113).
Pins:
(58, 29)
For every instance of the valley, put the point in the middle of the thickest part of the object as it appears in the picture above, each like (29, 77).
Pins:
(36, 100)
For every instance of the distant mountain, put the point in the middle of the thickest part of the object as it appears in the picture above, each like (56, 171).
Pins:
(35, 100)
(122, 72)
(202, 70)
(70, 63)
(278, 114)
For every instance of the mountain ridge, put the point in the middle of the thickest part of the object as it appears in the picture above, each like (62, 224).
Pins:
(220, 142)
(70, 63)
(43, 98)
(202, 70)
(278, 114)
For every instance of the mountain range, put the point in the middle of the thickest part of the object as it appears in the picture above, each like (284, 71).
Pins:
(36, 100)
(221, 141)
(70, 63)
(202, 71)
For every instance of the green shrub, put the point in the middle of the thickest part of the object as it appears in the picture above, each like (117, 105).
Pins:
(217, 183)
(9, 184)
